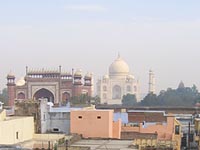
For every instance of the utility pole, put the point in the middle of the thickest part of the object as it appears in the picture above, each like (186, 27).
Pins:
(189, 136)
(49, 146)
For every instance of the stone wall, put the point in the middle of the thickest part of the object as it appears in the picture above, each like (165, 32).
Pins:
(59, 120)
(136, 135)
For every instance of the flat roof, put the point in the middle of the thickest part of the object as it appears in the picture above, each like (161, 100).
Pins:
(63, 109)
(150, 111)
(95, 110)
(105, 144)
(17, 117)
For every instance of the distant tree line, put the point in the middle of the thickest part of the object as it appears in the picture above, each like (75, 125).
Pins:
(84, 99)
(129, 100)
(182, 96)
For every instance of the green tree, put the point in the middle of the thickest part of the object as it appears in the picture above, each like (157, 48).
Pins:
(81, 99)
(4, 96)
(182, 96)
(95, 100)
(129, 100)
(150, 100)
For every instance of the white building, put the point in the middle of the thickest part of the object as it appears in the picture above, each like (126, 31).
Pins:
(55, 119)
(15, 129)
(119, 82)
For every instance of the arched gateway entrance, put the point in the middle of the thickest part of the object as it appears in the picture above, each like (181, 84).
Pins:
(44, 93)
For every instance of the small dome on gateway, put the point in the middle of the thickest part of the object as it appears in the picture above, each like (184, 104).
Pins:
(119, 67)
(20, 82)
(78, 72)
(10, 75)
(106, 77)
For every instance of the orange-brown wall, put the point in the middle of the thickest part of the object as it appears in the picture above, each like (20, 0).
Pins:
(117, 129)
(92, 127)
(164, 131)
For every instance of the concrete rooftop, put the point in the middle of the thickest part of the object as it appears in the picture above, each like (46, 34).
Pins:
(105, 144)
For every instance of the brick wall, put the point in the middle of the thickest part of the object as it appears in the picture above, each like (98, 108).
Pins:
(139, 117)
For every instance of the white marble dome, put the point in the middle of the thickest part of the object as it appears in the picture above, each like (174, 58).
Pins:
(119, 68)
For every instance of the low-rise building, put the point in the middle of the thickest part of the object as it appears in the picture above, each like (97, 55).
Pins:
(47, 117)
(158, 126)
(92, 123)
(55, 119)
(15, 129)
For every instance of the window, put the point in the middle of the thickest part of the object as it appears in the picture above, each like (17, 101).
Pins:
(104, 96)
(17, 135)
(128, 88)
(104, 88)
(177, 129)
(55, 130)
(21, 95)
(98, 117)
(80, 117)
(116, 92)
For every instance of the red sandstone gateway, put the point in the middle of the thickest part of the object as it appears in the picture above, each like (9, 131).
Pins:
(56, 86)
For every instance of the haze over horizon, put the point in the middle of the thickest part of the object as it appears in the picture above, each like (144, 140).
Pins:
(162, 36)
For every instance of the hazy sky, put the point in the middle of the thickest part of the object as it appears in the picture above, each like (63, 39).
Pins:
(149, 34)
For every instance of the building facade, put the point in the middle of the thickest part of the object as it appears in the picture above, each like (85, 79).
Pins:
(56, 86)
(55, 119)
(144, 125)
(15, 129)
(92, 123)
(119, 82)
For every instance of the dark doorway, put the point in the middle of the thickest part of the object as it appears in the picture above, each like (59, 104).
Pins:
(44, 93)
(21, 96)
(65, 97)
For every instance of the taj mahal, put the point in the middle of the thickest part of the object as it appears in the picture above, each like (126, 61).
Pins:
(112, 87)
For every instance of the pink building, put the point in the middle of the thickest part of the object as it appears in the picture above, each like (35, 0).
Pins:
(91, 123)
